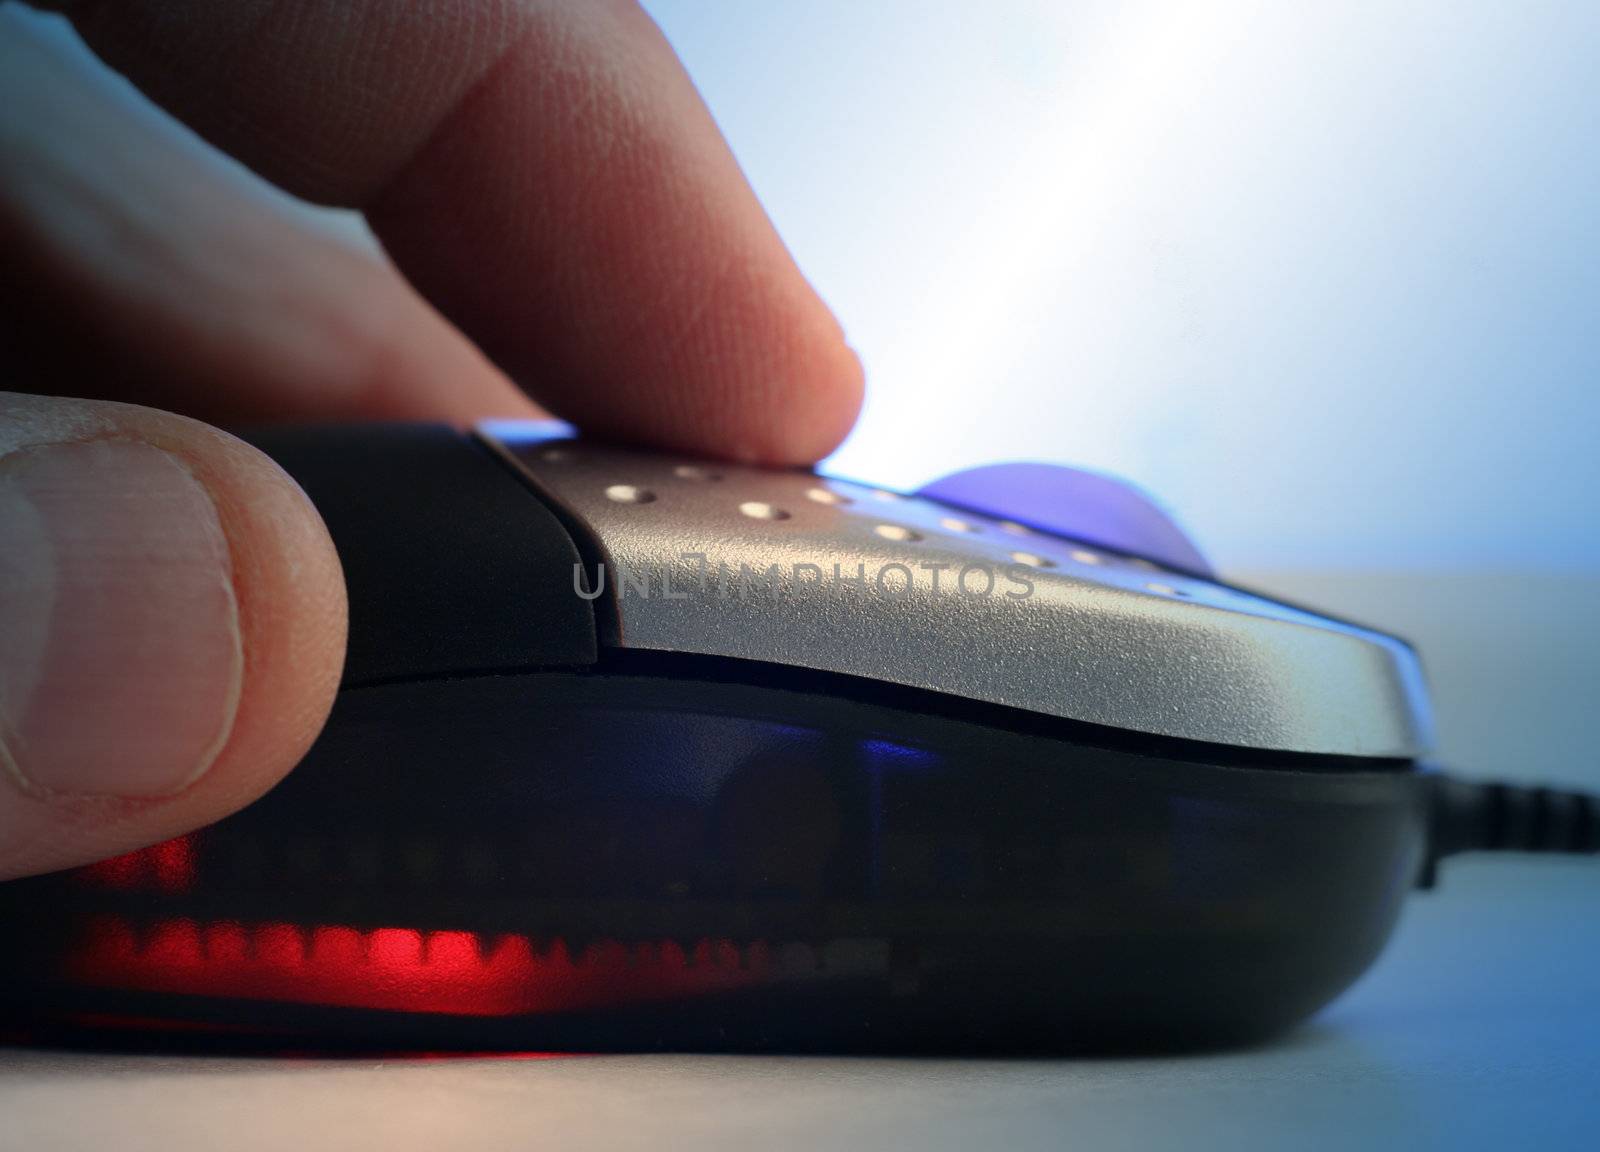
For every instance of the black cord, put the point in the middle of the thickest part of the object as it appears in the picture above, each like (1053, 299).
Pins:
(1492, 816)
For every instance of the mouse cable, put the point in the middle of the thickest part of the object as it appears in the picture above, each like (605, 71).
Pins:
(1493, 816)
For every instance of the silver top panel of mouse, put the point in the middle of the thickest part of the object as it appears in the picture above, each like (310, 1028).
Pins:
(792, 568)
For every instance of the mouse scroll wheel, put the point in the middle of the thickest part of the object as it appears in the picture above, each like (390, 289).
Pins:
(1069, 502)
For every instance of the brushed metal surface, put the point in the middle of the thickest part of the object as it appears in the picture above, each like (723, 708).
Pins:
(793, 568)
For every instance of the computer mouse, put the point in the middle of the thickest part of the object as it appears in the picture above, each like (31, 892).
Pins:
(637, 751)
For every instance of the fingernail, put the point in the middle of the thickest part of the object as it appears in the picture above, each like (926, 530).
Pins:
(120, 655)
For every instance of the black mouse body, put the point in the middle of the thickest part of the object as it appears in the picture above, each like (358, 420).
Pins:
(635, 751)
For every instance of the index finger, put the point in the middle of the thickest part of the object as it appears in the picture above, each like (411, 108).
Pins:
(546, 174)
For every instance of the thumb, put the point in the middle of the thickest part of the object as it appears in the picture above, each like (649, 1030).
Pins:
(172, 627)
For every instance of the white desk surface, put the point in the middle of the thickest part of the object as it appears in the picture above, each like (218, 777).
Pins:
(1480, 1027)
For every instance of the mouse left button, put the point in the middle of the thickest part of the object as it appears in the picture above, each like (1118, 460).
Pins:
(452, 564)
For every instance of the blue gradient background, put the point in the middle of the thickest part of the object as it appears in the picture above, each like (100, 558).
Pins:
(1326, 278)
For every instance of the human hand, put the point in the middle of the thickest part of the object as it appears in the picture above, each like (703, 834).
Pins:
(560, 211)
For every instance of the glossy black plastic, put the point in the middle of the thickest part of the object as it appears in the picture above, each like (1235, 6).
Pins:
(452, 565)
(849, 868)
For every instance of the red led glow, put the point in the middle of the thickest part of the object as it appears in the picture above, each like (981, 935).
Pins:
(165, 867)
(401, 969)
